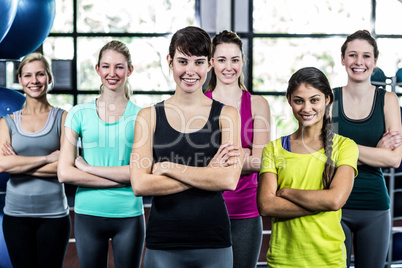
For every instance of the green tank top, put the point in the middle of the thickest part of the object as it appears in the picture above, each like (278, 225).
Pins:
(369, 189)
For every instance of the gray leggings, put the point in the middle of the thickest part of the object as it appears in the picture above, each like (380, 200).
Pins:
(246, 241)
(92, 236)
(371, 233)
(189, 258)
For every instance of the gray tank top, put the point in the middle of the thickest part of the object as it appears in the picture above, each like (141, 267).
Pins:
(29, 196)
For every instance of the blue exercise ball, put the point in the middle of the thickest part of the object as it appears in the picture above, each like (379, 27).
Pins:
(397, 246)
(10, 101)
(8, 9)
(399, 76)
(378, 75)
(32, 24)
(5, 261)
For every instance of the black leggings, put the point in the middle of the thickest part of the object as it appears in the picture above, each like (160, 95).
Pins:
(92, 235)
(36, 242)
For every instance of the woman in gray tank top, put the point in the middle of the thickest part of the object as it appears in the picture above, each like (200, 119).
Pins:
(36, 222)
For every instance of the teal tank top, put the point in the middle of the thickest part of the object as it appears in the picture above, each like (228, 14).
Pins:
(369, 190)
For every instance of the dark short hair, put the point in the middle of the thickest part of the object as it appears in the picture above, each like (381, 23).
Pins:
(191, 41)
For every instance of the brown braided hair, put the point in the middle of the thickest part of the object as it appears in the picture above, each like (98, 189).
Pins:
(315, 78)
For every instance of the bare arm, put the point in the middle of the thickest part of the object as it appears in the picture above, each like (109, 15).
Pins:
(270, 204)
(16, 164)
(331, 199)
(142, 180)
(261, 135)
(380, 156)
(69, 173)
(214, 178)
(119, 173)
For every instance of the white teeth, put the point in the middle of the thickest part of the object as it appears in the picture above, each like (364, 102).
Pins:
(190, 80)
(307, 116)
(358, 70)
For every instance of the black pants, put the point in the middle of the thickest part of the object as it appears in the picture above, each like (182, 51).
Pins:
(36, 242)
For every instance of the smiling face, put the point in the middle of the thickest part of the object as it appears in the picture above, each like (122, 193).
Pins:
(189, 72)
(228, 63)
(34, 79)
(308, 105)
(359, 60)
(113, 70)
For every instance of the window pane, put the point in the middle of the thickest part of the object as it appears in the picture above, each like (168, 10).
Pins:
(388, 17)
(282, 120)
(148, 54)
(63, 21)
(157, 16)
(390, 58)
(86, 98)
(311, 16)
(147, 100)
(276, 59)
(61, 100)
(59, 48)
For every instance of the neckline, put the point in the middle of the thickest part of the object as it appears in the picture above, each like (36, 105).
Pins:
(362, 119)
(18, 121)
(315, 152)
(195, 131)
(113, 123)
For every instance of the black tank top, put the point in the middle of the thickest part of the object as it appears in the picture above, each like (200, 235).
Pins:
(195, 218)
(369, 189)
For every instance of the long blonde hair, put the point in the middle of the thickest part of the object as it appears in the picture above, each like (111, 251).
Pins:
(121, 48)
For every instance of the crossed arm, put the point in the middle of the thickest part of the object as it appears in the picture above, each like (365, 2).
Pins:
(11, 162)
(290, 203)
(168, 178)
(75, 170)
(388, 152)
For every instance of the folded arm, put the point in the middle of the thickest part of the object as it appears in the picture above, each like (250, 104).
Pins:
(143, 181)
(385, 155)
(261, 135)
(69, 173)
(331, 199)
(15, 164)
(270, 204)
(214, 177)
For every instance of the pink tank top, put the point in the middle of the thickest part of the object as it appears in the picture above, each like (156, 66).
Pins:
(242, 202)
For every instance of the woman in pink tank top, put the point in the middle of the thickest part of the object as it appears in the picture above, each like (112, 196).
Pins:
(226, 85)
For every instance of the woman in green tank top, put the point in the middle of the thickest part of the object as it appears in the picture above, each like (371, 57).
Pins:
(371, 117)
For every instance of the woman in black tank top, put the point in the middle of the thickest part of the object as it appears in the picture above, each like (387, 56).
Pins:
(359, 113)
(186, 152)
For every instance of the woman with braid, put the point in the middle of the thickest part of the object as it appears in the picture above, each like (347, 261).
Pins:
(305, 179)
(371, 117)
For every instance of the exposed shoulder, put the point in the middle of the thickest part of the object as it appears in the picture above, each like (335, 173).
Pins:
(228, 110)
(4, 132)
(390, 99)
(64, 115)
(259, 105)
(147, 112)
(258, 99)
